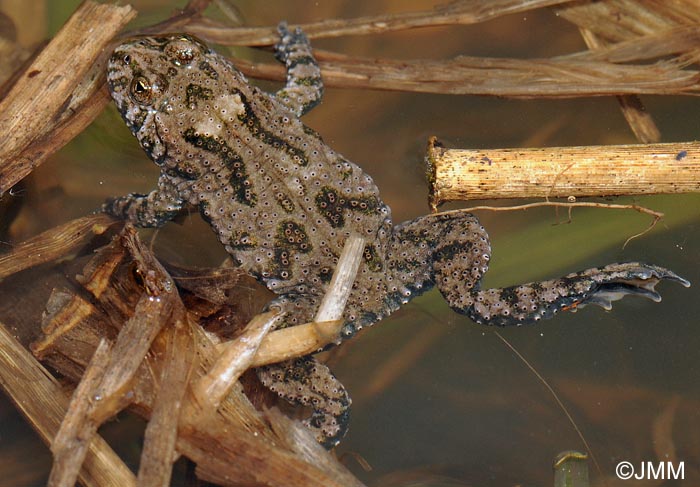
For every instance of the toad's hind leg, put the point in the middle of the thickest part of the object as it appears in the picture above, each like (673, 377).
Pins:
(456, 251)
(304, 87)
(304, 381)
(307, 382)
(458, 262)
(534, 301)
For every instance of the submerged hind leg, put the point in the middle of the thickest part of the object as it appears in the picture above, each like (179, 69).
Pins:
(452, 250)
(306, 382)
(457, 267)
(531, 302)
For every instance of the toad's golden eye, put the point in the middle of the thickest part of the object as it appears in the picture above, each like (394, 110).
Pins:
(141, 90)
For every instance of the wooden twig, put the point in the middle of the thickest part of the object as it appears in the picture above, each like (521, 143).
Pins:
(333, 304)
(159, 454)
(587, 73)
(236, 357)
(103, 390)
(634, 111)
(37, 100)
(451, 13)
(657, 44)
(515, 78)
(630, 18)
(656, 215)
(43, 402)
(69, 447)
(54, 243)
(462, 174)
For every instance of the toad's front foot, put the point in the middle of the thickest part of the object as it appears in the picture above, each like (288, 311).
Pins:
(304, 88)
(528, 303)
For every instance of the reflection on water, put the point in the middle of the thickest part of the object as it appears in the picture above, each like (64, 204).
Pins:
(435, 395)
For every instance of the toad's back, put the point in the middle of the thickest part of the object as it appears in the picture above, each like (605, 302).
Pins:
(279, 199)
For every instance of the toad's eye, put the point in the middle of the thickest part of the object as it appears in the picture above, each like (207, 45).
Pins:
(141, 90)
(127, 60)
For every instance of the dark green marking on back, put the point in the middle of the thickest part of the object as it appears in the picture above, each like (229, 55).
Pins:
(292, 235)
(285, 202)
(240, 183)
(251, 120)
(195, 93)
(242, 241)
(372, 258)
(291, 238)
(209, 70)
(332, 206)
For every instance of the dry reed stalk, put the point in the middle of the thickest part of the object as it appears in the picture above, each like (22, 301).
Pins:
(159, 452)
(53, 244)
(229, 445)
(464, 174)
(35, 105)
(450, 13)
(663, 33)
(44, 403)
(561, 77)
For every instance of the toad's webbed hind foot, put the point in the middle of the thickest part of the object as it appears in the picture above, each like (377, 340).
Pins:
(528, 303)
(307, 382)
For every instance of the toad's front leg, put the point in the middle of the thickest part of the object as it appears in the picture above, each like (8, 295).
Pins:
(148, 210)
(304, 87)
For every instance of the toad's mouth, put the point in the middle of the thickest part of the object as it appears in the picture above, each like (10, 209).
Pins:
(149, 134)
